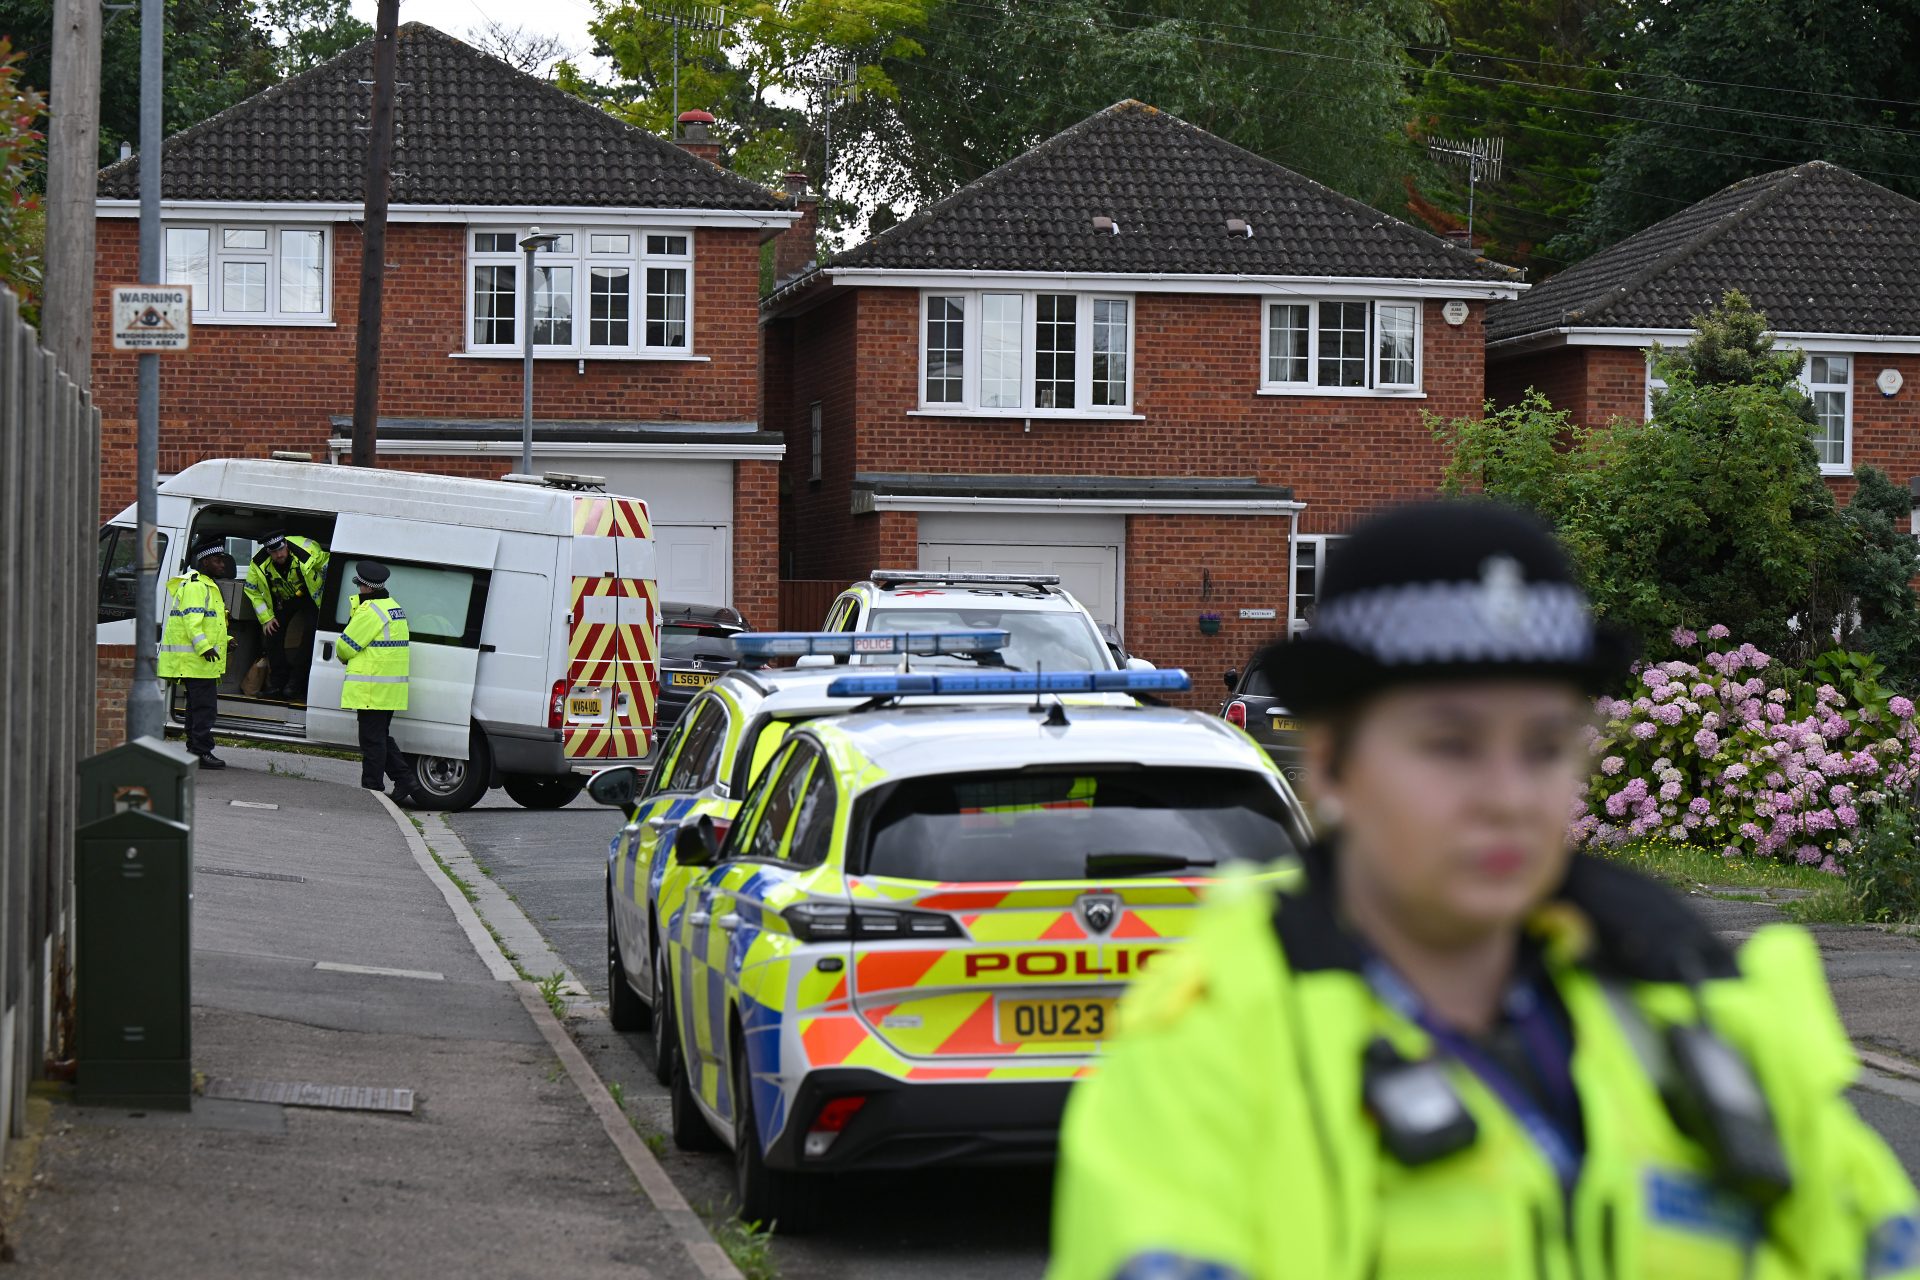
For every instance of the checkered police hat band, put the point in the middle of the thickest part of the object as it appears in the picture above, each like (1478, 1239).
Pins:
(1438, 622)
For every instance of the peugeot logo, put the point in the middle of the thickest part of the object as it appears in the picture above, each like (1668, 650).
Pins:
(1098, 912)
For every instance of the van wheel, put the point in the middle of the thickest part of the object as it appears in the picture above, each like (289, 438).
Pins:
(784, 1201)
(625, 1010)
(531, 792)
(454, 784)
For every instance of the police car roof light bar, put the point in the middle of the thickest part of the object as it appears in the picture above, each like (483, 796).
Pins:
(950, 684)
(759, 647)
(890, 577)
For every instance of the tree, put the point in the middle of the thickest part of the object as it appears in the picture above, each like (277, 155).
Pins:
(534, 52)
(22, 221)
(1317, 85)
(1725, 89)
(1879, 575)
(306, 33)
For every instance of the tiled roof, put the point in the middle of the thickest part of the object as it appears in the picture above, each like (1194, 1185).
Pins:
(1170, 188)
(468, 129)
(1818, 250)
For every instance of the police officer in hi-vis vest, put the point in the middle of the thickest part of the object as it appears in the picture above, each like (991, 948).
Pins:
(375, 646)
(193, 642)
(1452, 1050)
(284, 582)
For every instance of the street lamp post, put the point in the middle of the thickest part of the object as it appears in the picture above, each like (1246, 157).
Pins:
(533, 244)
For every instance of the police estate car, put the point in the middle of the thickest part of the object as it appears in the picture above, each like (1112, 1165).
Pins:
(911, 939)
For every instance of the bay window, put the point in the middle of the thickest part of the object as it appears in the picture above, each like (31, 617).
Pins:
(585, 288)
(1343, 346)
(252, 272)
(1026, 353)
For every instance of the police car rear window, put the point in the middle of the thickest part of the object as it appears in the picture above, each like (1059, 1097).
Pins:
(1082, 824)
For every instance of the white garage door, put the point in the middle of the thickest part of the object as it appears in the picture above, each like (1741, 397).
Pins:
(1083, 550)
(691, 505)
(693, 561)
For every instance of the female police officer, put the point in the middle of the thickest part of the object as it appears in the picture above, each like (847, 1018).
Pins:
(1454, 1050)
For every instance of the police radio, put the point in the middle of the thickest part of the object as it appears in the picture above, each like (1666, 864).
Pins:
(1717, 1102)
(1421, 1115)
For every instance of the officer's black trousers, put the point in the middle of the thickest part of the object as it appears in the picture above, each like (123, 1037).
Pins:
(380, 754)
(203, 700)
(288, 669)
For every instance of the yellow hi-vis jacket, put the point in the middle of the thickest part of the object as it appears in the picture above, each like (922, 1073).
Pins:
(374, 647)
(193, 635)
(269, 586)
(1224, 1133)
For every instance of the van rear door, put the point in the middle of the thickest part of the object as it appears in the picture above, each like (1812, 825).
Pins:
(609, 685)
(441, 575)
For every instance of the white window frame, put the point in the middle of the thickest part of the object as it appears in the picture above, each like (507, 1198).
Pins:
(1296, 623)
(207, 302)
(579, 255)
(1842, 468)
(971, 334)
(1375, 387)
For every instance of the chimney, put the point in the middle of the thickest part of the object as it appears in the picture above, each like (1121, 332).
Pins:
(696, 134)
(797, 246)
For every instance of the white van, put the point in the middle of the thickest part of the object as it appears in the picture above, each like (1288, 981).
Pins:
(533, 609)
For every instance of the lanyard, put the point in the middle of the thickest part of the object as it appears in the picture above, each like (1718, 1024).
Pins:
(1547, 1045)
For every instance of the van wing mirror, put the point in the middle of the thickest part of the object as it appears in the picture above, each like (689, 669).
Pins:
(617, 788)
(697, 844)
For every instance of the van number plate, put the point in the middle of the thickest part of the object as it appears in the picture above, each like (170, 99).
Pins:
(1022, 1020)
(585, 708)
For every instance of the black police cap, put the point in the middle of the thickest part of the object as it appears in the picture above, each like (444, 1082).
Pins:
(372, 573)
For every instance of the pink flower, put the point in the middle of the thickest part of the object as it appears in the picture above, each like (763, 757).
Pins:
(1735, 772)
(1900, 707)
(1612, 765)
(1750, 830)
(1806, 855)
(1717, 632)
(1848, 816)
(1644, 730)
(1699, 805)
(1776, 712)
(1828, 694)
(1684, 638)
(1670, 791)
(1708, 742)
(1777, 695)
(1831, 867)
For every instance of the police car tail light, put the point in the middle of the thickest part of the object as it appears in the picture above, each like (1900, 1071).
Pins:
(1237, 713)
(831, 1121)
(941, 684)
(832, 921)
(765, 646)
(557, 708)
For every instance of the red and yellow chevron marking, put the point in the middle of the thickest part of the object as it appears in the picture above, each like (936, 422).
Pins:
(609, 517)
(619, 657)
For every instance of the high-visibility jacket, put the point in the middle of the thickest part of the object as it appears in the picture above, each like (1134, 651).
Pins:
(1224, 1133)
(193, 635)
(374, 647)
(269, 586)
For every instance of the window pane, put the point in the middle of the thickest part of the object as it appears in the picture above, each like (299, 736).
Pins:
(303, 273)
(667, 246)
(243, 286)
(437, 601)
(553, 306)
(1395, 345)
(608, 244)
(946, 349)
(494, 294)
(1109, 352)
(1287, 342)
(187, 249)
(494, 242)
(1001, 337)
(1830, 410)
(1343, 344)
(243, 238)
(666, 306)
(561, 244)
(1828, 369)
(609, 303)
(1054, 338)
(1306, 564)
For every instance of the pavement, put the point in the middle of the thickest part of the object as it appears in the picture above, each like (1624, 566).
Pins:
(325, 954)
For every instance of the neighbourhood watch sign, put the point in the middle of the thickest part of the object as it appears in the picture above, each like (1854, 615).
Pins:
(152, 318)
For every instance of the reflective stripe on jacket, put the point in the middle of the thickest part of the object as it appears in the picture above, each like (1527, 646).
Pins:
(195, 625)
(268, 585)
(1224, 1134)
(374, 647)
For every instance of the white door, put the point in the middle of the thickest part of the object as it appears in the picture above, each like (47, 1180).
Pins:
(1083, 550)
(690, 504)
(694, 562)
(440, 577)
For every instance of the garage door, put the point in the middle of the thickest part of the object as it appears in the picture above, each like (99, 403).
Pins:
(693, 562)
(1084, 551)
(691, 505)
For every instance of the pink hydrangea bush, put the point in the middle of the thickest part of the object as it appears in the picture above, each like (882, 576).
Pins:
(1726, 750)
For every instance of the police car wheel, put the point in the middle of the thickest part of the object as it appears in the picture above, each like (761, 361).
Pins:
(625, 1009)
(788, 1203)
(690, 1129)
(664, 1049)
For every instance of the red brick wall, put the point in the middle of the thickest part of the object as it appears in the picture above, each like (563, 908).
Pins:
(798, 244)
(756, 540)
(245, 390)
(112, 680)
(1559, 374)
(1179, 567)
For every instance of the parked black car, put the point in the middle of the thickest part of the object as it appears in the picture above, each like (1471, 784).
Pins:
(1251, 705)
(696, 645)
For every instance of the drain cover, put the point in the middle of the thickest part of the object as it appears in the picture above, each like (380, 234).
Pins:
(250, 875)
(336, 1097)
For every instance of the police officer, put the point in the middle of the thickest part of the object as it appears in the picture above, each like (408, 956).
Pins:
(1451, 1049)
(374, 646)
(193, 642)
(284, 582)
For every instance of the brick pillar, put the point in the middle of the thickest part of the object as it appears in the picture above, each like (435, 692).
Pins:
(696, 135)
(113, 677)
(756, 541)
(798, 245)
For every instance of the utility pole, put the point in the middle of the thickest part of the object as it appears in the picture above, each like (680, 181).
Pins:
(146, 704)
(373, 238)
(73, 156)
(534, 243)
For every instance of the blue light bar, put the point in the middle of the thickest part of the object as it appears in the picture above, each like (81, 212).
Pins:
(794, 644)
(947, 684)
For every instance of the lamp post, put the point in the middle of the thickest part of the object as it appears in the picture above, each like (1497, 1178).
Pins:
(532, 245)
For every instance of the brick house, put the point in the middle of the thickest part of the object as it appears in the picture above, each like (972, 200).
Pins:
(645, 316)
(1831, 259)
(1138, 356)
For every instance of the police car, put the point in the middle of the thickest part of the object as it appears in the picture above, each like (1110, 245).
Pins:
(704, 768)
(911, 939)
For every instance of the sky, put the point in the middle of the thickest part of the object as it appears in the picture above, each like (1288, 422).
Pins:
(566, 20)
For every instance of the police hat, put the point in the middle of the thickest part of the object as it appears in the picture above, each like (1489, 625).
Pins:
(1441, 591)
(277, 538)
(371, 573)
(207, 547)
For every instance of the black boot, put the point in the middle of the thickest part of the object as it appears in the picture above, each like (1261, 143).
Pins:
(211, 761)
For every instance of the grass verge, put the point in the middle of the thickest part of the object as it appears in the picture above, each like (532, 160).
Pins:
(748, 1244)
(287, 748)
(1687, 867)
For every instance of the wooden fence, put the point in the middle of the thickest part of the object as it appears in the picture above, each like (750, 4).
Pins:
(804, 602)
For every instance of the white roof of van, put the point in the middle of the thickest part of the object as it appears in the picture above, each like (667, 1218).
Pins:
(404, 495)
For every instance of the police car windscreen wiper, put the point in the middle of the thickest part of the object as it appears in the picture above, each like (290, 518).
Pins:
(1126, 863)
